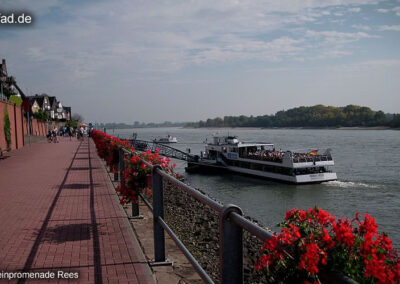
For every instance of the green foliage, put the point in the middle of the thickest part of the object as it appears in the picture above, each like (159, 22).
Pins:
(72, 123)
(313, 116)
(7, 127)
(15, 100)
(395, 121)
(40, 114)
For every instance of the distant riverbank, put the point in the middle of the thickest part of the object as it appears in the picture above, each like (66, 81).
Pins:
(297, 128)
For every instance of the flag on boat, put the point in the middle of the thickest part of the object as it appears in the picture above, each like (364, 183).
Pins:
(313, 152)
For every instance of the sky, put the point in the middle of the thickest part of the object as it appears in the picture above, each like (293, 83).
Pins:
(187, 60)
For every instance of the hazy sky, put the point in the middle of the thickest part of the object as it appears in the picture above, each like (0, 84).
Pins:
(194, 59)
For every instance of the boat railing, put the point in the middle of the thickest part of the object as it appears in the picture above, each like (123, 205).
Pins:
(306, 158)
(231, 225)
(165, 150)
(268, 156)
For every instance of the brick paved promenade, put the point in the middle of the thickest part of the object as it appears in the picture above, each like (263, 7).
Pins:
(58, 211)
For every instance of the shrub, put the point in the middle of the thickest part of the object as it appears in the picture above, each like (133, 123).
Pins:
(7, 127)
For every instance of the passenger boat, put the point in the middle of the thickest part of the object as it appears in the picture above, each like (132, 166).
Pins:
(263, 160)
(166, 140)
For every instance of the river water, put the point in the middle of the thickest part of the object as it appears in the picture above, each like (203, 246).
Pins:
(367, 163)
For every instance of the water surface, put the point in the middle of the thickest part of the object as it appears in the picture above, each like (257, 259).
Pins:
(367, 163)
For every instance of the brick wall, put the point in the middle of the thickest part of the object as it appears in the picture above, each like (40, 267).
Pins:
(18, 125)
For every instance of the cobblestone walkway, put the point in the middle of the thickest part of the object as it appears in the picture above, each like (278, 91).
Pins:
(58, 213)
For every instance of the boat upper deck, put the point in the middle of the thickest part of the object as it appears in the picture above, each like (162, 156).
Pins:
(278, 156)
(266, 152)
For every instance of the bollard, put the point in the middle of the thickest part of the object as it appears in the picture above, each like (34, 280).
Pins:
(230, 247)
(158, 212)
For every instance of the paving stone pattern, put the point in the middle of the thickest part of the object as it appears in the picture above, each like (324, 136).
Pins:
(58, 212)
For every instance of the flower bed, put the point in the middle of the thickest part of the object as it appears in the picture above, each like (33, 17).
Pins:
(135, 177)
(314, 240)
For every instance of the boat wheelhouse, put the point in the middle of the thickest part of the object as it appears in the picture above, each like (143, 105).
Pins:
(167, 139)
(263, 160)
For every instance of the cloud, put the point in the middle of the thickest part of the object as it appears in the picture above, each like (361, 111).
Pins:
(36, 54)
(354, 10)
(156, 36)
(152, 39)
(396, 10)
(362, 27)
(395, 28)
(335, 37)
(367, 65)
(383, 11)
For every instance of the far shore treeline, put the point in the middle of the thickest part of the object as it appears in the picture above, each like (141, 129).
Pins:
(311, 116)
(318, 116)
(138, 124)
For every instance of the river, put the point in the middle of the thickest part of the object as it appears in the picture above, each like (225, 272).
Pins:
(367, 163)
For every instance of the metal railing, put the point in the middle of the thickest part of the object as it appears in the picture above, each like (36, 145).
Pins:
(163, 149)
(231, 225)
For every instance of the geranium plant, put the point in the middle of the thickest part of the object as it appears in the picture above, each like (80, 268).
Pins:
(108, 148)
(313, 240)
(136, 174)
(135, 177)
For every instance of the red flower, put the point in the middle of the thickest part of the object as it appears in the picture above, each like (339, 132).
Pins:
(344, 232)
(316, 239)
(135, 173)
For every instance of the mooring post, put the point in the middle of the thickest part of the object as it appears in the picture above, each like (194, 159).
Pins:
(158, 212)
(230, 247)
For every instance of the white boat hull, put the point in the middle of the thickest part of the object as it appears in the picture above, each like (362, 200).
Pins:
(298, 179)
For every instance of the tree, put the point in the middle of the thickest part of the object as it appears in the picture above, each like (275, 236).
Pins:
(41, 115)
(395, 121)
(77, 117)
(15, 100)
(312, 116)
(72, 123)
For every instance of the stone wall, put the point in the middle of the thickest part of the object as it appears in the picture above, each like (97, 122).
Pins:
(197, 227)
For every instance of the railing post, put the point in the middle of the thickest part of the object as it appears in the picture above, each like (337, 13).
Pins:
(134, 203)
(158, 212)
(121, 164)
(135, 208)
(116, 173)
(230, 247)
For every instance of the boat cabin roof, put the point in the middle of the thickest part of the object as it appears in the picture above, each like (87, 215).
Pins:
(233, 140)
(254, 144)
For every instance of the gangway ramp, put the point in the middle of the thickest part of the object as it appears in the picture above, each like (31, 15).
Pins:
(165, 150)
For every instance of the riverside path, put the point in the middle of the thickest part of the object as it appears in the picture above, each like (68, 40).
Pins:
(59, 213)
